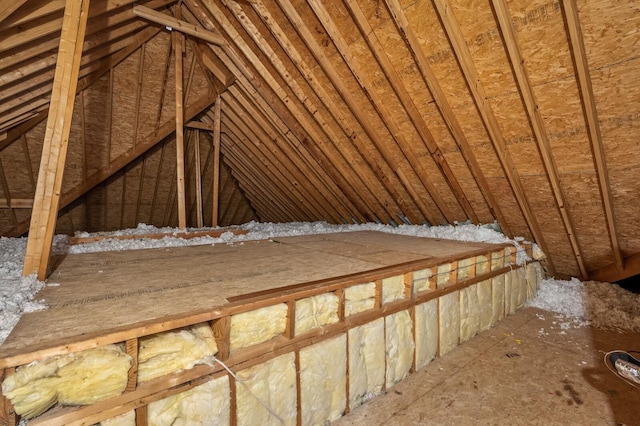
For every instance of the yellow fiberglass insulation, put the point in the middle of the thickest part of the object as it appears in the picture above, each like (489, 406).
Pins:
(449, 321)
(203, 405)
(497, 298)
(421, 280)
(392, 289)
(359, 298)
(399, 346)
(316, 311)
(126, 419)
(426, 332)
(76, 379)
(366, 362)
(261, 325)
(323, 370)
(272, 382)
(170, 351)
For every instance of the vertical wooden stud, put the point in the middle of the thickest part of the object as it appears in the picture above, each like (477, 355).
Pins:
(198, 173)
(216, 162)
(132, 350)
(222, 333)
(177, 51)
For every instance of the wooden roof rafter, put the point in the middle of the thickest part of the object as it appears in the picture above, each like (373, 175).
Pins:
(370, 171)
(580, 61)
(465, 61)
(311, 137)
(526, 90)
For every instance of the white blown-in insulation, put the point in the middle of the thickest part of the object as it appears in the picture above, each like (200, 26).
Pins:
(449, 316)
(170, 351)
(366, 362)
(272, 382)
(261, 325)
(497, 298)
(323, 371)
(421, 280)
(426, 332)
(444, 273)
(203, 405)
(76, 379)
(359, 298)
(392, 289)
(316, 311)
(126, 419)
(399, 346)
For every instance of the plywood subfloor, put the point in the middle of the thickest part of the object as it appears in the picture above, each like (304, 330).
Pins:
(99, 292)
(524, 371)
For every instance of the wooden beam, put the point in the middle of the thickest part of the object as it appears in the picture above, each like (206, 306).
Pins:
(612, 272)
(8, 7)
(200, 126)
(526, 90)
(177, 51)
(579, 54)
(216, 162)
(177, 24)
(47, 197)
(123, 159)
(16, 203)
(483, 104)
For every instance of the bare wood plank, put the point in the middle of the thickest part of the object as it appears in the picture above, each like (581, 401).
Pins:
(131, 346)
(200, 126)
(454, 34)
(222, 333)
(524, 84)
(595, 137)
(198, 180)
(216, 162)
(8, 7)
(175, 23)
(47, 195)
(16, 203)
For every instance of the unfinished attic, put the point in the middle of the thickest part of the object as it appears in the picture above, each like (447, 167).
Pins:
(237, 128)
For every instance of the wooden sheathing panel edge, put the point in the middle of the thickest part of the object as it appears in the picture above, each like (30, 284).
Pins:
(139, 395)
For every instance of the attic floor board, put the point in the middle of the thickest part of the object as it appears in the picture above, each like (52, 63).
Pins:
(110, 291)
(514, 374)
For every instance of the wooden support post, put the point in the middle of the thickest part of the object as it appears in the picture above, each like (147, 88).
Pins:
(132, 350)
(196, 148)
(54, 151)
(216, 162)
(177, 49)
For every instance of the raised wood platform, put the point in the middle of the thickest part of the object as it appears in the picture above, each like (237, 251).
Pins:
(118, 297)
(101, 294)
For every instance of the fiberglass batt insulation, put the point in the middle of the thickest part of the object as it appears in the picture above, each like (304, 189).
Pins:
(316, 311)
(203, 405)
(475, 309)
(170, 351)
(497, 298)
(76, 379)
(323, 371)
(261, 325)
(426, 332)
(359, 298)
(421, 280)
(366, 362)
(443, 275)
(535, 274)
(272, 382)
(392, 289)
(126, 419)
(464, 268)
(399, 346)
(449, 321)
(515, 290)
